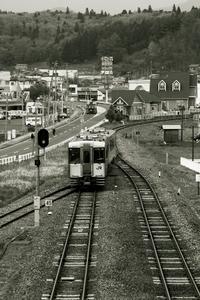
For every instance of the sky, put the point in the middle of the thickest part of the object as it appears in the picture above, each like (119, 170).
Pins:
(110, 6)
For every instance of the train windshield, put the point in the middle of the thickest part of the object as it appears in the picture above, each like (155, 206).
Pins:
(86, 156)
(99, 155)
(74, 155)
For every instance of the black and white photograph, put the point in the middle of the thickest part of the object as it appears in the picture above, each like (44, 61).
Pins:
(99, 150)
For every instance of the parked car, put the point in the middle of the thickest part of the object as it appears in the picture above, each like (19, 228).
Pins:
(63, 116)
(2, 116)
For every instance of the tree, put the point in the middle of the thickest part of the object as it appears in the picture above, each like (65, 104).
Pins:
(80, 16)
(67, 10)
(118, 116)
(139, 10)
(124, 12)
(110, 115)
(57, 37)
(92, 13)
(178, 11)
(76, 27)
(150, 9)
(87, 12)
(37, 90)
(154, 49)
(174, 8)
(112, 46)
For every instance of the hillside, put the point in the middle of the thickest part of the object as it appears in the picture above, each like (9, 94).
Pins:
(140, 42)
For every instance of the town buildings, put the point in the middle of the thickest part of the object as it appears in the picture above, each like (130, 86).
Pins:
(165, 91)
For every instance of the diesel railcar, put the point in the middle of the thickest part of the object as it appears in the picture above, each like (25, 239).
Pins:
(89, 155)
(91, 108)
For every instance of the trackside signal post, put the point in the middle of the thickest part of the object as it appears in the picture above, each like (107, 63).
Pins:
(42, 140)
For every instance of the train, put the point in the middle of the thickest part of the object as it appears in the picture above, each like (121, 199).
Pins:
(91, 108)
(89, 155)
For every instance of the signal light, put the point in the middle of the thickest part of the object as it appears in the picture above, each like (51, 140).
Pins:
(43, 138)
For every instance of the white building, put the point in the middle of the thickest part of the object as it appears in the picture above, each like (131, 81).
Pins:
(139, 84)
(4, 81)
(62, 73)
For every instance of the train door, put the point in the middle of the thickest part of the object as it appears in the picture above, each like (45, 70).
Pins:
(87, 160)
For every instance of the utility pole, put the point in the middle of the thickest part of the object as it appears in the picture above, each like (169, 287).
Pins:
(22, 99)
(42, 140)
(37, 164)
(67, 85)
(6, 124)
(182, 108)
(192, 142)
(181, 125)
(55, 97)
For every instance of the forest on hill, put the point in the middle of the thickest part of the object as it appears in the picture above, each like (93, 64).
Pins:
(140, 42)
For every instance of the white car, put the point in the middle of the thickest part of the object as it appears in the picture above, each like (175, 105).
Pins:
(63, 116)
(2, 116)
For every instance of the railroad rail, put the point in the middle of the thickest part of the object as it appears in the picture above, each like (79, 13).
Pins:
(172, 275)
(26, 209)
(75, 276)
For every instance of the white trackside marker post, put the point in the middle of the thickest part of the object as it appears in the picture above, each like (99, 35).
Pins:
(167, 158)
(48, 203)
(37, 210)
(179, 191)
(159, 173)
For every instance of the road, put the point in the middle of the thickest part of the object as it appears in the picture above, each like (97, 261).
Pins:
(63, 132)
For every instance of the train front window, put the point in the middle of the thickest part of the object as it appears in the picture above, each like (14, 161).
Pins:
(99, 155)
(74, 155)
(86, 156)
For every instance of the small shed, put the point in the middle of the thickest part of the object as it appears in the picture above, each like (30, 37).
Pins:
(171, 133)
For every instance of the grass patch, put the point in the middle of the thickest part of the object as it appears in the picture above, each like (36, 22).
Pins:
(18, 179)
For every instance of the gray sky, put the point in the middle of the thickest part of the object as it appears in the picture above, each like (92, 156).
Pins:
(111, 6)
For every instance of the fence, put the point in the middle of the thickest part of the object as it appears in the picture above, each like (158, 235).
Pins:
(21, 157)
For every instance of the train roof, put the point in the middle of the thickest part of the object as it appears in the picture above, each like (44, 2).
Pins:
(96, 137)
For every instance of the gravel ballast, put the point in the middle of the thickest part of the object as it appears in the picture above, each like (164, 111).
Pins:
(122, 269)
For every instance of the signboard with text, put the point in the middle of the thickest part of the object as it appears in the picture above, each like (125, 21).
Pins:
(48, 202)
(107, 65)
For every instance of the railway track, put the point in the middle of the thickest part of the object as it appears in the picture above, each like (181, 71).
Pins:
(75, 264)
(172, 275)
(26, 209)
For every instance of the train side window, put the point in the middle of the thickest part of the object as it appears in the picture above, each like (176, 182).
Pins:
(74, 155)
(86, 156)
(107, 150)
(112, 144)
(99, 155)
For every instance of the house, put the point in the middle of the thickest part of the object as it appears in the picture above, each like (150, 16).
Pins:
(21, 67)
(15, 89)
(4, 81)
(86, 93)
(72, 94)
(135, 102)
(175, 89)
